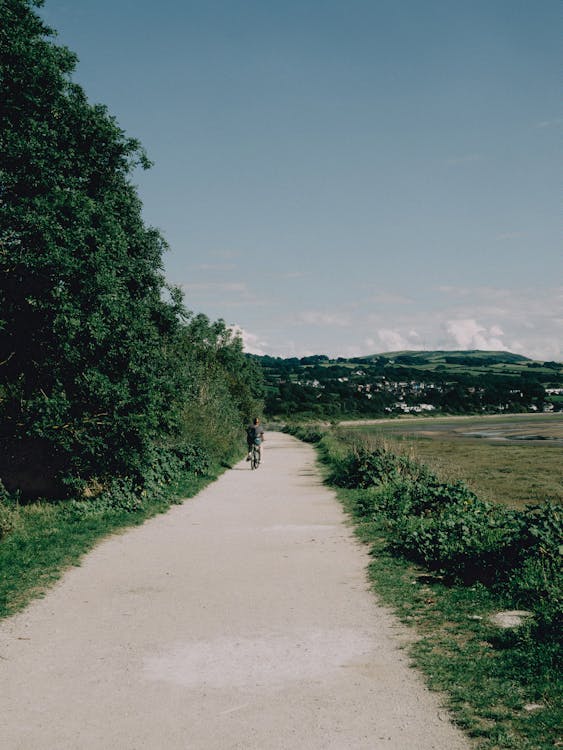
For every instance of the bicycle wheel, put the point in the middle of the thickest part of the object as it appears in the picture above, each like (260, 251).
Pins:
(255, 460)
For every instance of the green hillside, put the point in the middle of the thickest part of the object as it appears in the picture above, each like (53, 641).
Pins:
(471, 360)
(476, 356)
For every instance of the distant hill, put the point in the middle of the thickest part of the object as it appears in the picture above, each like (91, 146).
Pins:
(474, 356)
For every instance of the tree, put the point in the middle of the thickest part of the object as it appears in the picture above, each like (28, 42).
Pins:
(88, 336)
(224, 386)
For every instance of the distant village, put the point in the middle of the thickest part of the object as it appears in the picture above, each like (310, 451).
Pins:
(412, 391)
(319, 386)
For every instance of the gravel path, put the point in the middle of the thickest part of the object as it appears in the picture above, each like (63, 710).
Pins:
(239, 620)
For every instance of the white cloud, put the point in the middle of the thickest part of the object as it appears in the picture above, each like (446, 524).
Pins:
(468, 334)
(216, 267)
(216, 286)
(290, 348)
(252, 344)
(392, 340)
(317, 318)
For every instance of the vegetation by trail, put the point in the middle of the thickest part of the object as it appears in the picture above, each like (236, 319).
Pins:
(102, 367)
(512, 460)
(447, 561)
(111, 391)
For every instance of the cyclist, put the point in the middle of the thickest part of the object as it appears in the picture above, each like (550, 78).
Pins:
(254, 436)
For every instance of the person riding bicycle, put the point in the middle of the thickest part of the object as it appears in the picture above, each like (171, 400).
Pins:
(254, 436)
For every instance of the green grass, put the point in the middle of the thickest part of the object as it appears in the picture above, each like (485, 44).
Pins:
(487, 677)
(48, 538)
(514, 474)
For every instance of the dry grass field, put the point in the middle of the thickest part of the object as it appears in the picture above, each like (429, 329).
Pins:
(515, 460)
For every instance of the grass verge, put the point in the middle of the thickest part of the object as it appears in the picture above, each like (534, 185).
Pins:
(45, 539)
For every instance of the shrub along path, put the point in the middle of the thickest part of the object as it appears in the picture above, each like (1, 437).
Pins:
(241, 619)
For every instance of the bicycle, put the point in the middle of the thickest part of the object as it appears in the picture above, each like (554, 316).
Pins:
(255, 456)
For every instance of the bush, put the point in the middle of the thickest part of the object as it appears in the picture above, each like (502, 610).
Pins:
(7, 512)
(537, 582)
(7, 520)
(427, 494)
(307, 433)
(447, 528)
(194, 459)
(387, 501)
(467, 540)
(363, 468)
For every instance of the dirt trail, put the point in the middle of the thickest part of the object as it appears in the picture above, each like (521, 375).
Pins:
(239, 620)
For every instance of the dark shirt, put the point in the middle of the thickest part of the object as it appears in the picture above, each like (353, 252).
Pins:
(253, 431)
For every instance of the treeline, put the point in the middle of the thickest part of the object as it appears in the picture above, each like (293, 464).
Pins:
(103, 371)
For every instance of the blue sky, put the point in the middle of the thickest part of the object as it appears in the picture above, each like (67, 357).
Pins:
(345, 177)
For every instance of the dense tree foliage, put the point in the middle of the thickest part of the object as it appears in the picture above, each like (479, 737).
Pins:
(99, 362)
(224, 387)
